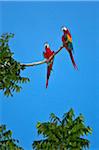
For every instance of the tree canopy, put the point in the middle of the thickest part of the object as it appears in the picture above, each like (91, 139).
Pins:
(6, 140)
(10, 69)
(65, 134)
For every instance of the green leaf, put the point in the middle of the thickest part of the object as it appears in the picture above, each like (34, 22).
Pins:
(38, 124)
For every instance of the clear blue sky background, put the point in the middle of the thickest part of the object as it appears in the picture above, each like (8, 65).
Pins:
(33, 24)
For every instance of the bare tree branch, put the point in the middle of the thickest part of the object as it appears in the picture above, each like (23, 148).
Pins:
(42, 61)
(34, 63)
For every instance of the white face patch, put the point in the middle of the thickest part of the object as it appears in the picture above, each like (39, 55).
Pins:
(64, 28)
(46, 45)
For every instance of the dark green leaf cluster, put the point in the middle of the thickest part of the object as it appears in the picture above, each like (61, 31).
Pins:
(6, 140)
(10, 69)
(63, 134)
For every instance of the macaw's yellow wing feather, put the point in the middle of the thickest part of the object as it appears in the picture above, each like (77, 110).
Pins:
(69, 38)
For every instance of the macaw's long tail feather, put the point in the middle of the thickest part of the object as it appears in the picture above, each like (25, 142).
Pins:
(48, 75)
(72, 59)
(46, 83)
(49, 68)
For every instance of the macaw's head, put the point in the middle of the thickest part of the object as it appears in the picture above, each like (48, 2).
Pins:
(46, 45)
(64, 29)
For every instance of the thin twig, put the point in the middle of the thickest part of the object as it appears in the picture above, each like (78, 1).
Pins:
(42, 61)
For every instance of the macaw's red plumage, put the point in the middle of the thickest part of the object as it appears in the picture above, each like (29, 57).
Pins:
(67, 43)
(47, 54)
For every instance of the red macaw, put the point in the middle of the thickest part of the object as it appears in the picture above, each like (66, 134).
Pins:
(47, 54)
(67, 43)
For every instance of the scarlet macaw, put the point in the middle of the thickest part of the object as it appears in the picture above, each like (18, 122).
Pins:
(67, 43)
(47, 54)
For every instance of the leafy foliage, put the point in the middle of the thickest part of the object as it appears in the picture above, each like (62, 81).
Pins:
(65, 134)
(10, 69)
(6, 140)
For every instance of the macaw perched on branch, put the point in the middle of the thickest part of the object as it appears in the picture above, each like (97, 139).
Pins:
(67, 43)
(47, 54)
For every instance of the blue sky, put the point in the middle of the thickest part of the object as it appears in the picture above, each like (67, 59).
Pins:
(34, 23)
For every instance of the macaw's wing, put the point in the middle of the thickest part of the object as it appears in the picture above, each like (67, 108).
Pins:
(70, 46)
(49, 68)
